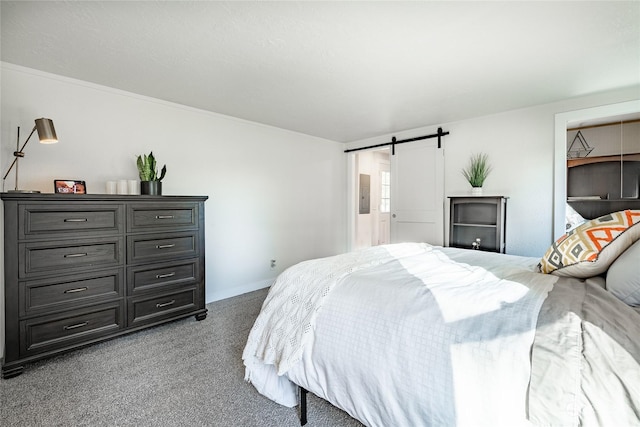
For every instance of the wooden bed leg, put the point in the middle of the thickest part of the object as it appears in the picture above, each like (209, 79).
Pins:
(303, 405)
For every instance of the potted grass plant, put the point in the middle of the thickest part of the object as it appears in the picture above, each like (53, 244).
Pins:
(150, 181)
(477, 171)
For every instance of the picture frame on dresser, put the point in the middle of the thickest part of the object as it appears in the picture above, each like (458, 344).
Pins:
(69, 186)
(83, 270)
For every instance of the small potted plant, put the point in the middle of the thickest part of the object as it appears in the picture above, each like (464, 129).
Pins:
(476, 172)
(150, 181)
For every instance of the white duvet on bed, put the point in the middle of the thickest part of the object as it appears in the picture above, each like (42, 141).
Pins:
(405, 334)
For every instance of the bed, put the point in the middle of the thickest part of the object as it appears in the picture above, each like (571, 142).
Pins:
(417, 335)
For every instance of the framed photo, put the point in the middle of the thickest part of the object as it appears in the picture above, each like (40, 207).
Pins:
(62, 186)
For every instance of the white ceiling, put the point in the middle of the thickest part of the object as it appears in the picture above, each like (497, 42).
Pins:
(338, 70)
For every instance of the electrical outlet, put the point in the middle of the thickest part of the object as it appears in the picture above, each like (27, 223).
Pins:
(273, 264)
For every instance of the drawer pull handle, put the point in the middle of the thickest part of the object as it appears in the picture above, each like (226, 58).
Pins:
(164, 276)
(73, 291)
(77, 325)
(165, 216)
(75, 255)
(165, 246)
(75, 220)
(166, 304)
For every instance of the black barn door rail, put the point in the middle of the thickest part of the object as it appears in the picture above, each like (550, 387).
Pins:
(394, 142)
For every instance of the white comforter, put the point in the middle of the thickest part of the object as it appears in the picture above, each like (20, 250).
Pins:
(405, 334)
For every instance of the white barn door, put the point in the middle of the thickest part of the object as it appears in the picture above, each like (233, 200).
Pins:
(417, 193)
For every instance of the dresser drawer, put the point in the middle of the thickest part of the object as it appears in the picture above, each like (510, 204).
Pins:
(167, 216)
(66, 329)
(156, 247)
(154, 308)
(68, 256)
(37, 221)
(65, 292)
(167, 274)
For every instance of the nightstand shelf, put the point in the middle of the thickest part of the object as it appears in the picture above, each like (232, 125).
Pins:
(478, 223)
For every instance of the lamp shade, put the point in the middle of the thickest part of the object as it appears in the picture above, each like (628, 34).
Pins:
(46, 131)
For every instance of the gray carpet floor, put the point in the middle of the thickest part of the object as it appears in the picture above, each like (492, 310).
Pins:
(185, 373)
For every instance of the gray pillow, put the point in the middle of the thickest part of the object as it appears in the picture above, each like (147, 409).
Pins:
(623, 277)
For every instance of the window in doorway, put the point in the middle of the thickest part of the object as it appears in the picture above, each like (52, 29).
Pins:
(385, 188)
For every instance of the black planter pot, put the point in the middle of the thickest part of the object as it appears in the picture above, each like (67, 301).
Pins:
(152, 188)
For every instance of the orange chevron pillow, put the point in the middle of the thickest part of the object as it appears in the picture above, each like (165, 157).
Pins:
(589, 249)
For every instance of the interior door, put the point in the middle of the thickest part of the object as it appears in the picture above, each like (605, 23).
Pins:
(417, 193)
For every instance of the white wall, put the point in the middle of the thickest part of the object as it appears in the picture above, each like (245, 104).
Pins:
(520, 145)
(273, 194)
(363, 222)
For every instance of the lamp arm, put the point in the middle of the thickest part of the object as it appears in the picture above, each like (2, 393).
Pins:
(15, 153)
(10, 167)
(25, 143)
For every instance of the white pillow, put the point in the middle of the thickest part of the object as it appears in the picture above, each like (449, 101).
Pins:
(573, 218)
(623, 277)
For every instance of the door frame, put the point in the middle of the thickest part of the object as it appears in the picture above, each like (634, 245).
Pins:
(562, 120)
(353, 195)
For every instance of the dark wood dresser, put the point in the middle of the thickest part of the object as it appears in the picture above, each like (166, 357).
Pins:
(80, 269)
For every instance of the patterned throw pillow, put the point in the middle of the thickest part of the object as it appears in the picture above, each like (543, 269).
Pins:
(589, 249)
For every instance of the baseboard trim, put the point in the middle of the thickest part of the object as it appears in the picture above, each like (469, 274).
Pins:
(237, 290)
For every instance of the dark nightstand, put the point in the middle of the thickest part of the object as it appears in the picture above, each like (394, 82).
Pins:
(478, 223)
